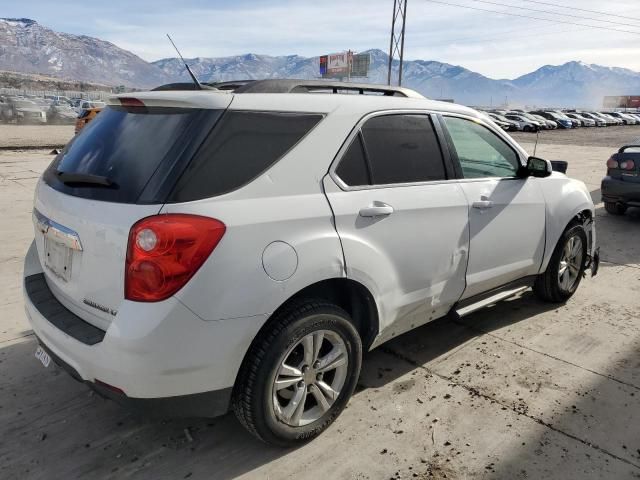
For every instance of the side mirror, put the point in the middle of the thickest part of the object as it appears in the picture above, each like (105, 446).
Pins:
(537, 167)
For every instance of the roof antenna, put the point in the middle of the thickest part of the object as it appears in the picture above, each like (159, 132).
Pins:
(193, 77)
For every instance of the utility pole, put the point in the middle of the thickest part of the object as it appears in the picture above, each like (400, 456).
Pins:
(396, 43)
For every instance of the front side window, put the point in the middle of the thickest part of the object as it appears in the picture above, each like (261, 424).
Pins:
(481, 152)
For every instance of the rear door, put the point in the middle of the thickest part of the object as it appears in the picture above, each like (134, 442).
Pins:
(506, 212)
(401, 220)
(114, 173)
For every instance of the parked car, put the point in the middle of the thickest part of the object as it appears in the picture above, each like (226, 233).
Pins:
(634, 115)
(626, 119)
(25, 111)
(149, 221)
(58, 99)
(506, 126)
(527, 125)
(584, 121)
(621, 186)
(614, 120)
(559, 119)
(600, 121)
(514, 126)
(551, 125)
(575, 123)
(62, 113)
(85, 117)
(88, 104)
(542, 124)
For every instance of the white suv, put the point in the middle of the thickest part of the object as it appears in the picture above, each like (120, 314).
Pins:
(197, 251)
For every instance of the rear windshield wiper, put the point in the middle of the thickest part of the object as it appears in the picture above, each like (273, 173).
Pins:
(85, 179)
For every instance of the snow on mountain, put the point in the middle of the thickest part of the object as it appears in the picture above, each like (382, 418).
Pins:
(28, 47)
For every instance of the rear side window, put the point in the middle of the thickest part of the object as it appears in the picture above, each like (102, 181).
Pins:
(125, 146)
(241, 147)
(403, 149)
(397, 149)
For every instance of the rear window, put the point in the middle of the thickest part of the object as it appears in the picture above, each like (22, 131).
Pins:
(127, 146)
(242, 146)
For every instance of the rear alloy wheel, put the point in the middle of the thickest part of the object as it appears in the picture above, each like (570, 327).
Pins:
(322, 364)
(299, 374)
(615, 208)
(566, 267)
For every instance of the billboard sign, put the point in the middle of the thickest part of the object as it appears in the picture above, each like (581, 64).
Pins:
(338, 64)
(345, 64)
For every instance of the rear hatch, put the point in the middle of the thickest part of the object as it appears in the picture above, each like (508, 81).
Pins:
(118, 170)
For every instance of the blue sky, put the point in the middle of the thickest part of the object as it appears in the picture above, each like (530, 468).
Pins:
(495, 45)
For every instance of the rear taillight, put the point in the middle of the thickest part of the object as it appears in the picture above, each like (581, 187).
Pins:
(627, 165)
(612, 163)
(165, 251)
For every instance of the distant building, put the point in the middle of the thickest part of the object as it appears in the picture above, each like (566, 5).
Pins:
(623, 101)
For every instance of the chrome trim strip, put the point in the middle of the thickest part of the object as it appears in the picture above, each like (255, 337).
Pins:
(57, 232)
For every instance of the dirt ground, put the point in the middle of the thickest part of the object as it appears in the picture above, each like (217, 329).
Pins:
(30, 136)
(613, 137)
(523, 390)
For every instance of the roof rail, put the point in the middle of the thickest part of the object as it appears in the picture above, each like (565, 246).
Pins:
(323, 86)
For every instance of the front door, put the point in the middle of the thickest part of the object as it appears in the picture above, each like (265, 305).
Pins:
(506, 212)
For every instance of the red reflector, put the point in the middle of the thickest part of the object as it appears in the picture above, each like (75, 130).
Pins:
(109, 387)
(612, 163)
(131, 102)
(165, 251)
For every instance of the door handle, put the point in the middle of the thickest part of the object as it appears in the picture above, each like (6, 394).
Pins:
(483, 203)
(378, 209)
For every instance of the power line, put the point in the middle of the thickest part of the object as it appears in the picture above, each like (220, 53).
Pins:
(626, 17)
(500, 36)
(557, 13)
(531, 17)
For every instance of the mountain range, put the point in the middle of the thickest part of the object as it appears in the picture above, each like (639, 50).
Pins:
(28, 47)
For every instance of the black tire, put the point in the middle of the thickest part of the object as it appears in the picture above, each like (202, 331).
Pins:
(548, 286)
(615, 208)
(527, 128)
(253, 396)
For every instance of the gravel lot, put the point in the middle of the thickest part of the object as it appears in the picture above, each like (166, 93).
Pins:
(48, 136)
(523, 390)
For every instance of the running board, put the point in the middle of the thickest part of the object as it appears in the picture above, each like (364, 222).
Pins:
(485, 302)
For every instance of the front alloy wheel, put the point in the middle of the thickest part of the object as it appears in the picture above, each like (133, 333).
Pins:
(570, 263)
(566, 266)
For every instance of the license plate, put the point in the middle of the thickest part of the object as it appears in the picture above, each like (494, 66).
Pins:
(43, 356)
(57, 258)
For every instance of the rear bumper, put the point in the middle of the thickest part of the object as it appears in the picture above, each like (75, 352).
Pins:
(619, 191)
(205, 404)
(160, 356)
